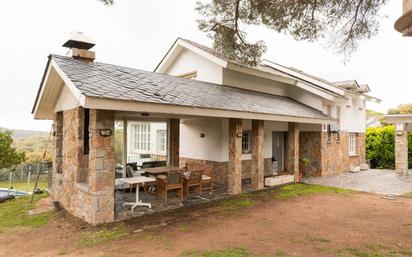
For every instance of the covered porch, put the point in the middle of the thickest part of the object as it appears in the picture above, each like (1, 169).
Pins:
(238, 154)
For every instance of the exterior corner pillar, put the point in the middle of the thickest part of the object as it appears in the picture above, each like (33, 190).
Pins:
(235, 156)
(401, 148)
(257, 145)
(292, 153)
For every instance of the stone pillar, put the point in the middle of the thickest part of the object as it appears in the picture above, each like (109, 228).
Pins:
(101, 168)
(57, 155)
(174, 145)
(401, 148)
(292, 153)
(235, 156)
(58, 142)
(257, 144)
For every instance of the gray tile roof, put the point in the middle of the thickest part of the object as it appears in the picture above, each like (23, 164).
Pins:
(121, 83)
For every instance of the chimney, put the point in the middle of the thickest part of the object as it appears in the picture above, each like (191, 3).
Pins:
(79, 45)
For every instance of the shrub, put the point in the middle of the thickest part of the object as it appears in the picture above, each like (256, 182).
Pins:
(380, 147)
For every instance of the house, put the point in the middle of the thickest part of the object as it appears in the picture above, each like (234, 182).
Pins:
(245, 122)
(373, 122)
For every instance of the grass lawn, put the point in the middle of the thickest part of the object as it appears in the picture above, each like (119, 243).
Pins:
(408, 194)
(261, 231)
(230, 252)
(295, 190)
(243, 201)
(14, 214)
(21, 186)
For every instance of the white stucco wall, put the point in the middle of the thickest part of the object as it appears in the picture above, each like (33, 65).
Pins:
(192, 145)
(353, 116)
(249, 82)
(214, 146)
(66, 100)
(188, 61)
(305, 97)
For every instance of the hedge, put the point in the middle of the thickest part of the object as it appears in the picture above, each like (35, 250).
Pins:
(380, 147)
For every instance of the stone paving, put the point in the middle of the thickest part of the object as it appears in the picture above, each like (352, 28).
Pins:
(373, 180)
(220, 191)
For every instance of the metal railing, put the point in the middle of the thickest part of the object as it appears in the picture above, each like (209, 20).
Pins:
(22, 178)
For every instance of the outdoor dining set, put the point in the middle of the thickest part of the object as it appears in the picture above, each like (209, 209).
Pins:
(158, 179)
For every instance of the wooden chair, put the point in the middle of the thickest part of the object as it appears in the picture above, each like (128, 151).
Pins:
(192, 180)
(172, 181)
(207, 178)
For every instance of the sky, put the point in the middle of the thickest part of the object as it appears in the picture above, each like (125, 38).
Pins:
(138, 33)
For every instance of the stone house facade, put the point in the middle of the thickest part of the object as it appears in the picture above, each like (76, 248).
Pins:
(241, 122)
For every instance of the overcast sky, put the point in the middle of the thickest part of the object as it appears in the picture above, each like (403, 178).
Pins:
(138, 33)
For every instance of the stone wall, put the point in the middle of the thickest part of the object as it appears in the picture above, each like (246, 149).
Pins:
(85, 185)
(328, 157)
(310, 149)
(220, 169)
(401, 151)
(64, 180)
(292, 151)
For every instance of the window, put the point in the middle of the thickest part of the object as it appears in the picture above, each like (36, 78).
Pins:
(246, 142)
(353, 144)
(142, 137)
(161, 141)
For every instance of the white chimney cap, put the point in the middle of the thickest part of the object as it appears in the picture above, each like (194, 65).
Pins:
(79, 40)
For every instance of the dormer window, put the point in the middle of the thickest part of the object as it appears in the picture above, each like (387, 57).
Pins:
(189, 75)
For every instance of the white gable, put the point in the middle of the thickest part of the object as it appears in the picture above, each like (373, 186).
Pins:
(188, 61)
(66, 101)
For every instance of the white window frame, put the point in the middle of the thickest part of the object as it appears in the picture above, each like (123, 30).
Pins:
(353, 144)
(246, 134)
(141, 137)
(161, 140)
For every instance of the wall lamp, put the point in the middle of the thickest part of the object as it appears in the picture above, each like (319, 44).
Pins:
(105, 132)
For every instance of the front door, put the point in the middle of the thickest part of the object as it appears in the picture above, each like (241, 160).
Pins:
(278, 142)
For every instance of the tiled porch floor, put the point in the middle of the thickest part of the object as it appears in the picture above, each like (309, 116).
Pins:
(220, 191)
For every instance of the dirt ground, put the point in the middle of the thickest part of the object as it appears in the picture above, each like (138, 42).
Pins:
(314, 225)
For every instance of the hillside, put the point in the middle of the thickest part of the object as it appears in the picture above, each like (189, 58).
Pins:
(32, 143)
(20, 133)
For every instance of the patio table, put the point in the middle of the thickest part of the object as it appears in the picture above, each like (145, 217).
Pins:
(137, 180)
(160, 170)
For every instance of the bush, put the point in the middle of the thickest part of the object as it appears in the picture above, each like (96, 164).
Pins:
(380, 147)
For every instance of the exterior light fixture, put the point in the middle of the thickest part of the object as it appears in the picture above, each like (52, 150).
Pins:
(105, 132)
(239, 134)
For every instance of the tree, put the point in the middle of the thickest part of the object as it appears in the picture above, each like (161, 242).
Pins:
(342, 22)
(9, 156)
(401, 109)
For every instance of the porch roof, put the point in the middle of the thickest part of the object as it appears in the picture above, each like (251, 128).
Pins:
(111, 82)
